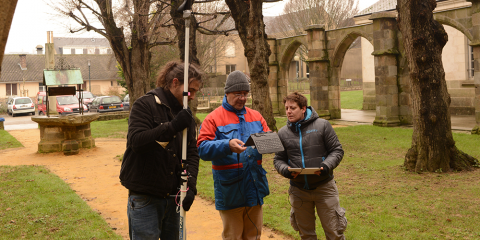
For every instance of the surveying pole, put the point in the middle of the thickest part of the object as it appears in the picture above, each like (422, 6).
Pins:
(186, 8)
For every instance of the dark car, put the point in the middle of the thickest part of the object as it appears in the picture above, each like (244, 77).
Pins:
(126, 102)
(106, 104)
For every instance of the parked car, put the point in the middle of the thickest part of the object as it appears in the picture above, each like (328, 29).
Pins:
(66, 104)
(87, 97)
(126, 103)
(106, 104)
(20, 105)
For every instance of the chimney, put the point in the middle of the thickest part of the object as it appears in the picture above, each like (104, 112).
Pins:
(39, 49)
(23, 61)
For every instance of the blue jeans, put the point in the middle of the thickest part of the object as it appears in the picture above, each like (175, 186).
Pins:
(151, 217)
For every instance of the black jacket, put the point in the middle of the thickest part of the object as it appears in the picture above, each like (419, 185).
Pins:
(152, 162)
(308, 143)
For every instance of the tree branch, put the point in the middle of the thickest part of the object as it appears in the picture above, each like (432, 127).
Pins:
(214, 32)
(208, 20)
(206, 1)
(151, 45)
(90, 8)
(209, 14)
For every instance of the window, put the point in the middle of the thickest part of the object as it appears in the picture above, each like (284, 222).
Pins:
(230, 49)
(91, 50)
(41, 87)
(229, 69)
(11, 89)
(68, 51)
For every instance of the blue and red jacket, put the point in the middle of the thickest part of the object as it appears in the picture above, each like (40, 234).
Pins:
(239, 179)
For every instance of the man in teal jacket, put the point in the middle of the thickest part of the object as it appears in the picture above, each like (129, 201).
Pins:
(240, 181)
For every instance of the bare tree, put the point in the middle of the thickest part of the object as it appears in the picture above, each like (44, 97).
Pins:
(298, 14)
(132, 29)
(433, 147)
(249, 23)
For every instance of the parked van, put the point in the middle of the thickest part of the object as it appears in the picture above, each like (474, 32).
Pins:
(66, 104)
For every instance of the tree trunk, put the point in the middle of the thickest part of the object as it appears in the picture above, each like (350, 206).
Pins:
(179, 24)
(6, 13)
(433, 148)
(134, 60)
(249, 23)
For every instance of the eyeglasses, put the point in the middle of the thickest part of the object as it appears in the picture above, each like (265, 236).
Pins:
(239, 95)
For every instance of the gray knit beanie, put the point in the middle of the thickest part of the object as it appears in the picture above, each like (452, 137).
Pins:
(236, 82)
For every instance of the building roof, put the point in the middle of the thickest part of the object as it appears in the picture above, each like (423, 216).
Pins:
(102, 67)
(381, 5)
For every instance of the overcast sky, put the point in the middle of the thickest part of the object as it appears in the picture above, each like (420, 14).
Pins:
(33, 18)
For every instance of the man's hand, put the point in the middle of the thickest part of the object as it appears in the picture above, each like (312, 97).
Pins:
(294, 174)
(188, 200)
(182, 120)
(236, 146)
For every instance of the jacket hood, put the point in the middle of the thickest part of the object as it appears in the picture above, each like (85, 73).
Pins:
(230, 108)
(310, 116)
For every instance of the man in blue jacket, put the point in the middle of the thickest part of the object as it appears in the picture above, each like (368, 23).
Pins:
(240, 181)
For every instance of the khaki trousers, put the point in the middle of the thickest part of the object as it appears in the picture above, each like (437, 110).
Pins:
(243, 223)
(325, 199)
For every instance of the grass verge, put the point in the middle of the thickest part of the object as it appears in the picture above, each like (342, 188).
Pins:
(8, 141)
(382, 200)
(110, 129)
(36, 204)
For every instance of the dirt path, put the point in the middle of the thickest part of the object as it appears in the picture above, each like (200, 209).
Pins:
(93, 174)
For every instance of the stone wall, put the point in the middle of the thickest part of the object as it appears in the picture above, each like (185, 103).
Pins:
(113, 115)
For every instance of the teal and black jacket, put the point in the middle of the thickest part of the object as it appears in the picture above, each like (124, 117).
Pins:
(307, 144)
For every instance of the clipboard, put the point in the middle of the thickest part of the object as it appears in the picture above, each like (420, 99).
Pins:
(268, 142)
(304, 170)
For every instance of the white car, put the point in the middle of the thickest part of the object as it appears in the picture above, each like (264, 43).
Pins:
(19, 105)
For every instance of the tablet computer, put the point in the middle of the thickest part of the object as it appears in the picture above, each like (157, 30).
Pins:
(304, 170)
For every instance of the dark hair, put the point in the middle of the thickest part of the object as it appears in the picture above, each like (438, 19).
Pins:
(173, 70)
(296, 97)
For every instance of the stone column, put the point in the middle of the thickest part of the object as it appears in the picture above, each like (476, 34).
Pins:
(476, 56)
(476, 77)
(322, 96)
(273, 78)
(385, 52)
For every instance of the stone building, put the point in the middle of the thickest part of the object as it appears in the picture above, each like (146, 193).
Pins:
(457, 57)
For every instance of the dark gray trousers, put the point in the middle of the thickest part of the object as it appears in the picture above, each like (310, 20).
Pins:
(325, 199)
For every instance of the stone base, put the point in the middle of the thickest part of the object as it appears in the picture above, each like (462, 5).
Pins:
(386, 122)
(65, 133)
(476, 130)
(325, 114)
(70, 147)
(49, 146)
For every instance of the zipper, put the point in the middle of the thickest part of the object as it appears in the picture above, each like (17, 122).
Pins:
(303, 158)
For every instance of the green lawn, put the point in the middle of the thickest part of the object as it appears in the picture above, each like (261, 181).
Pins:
(36, 204)
(382, 200)
(7, 141)
(348, 99)
(110, 129)
(351, 99)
